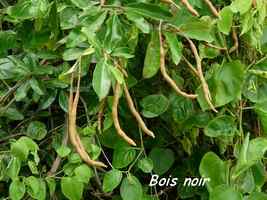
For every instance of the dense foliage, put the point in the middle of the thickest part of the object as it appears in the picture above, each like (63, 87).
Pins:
(97, 96)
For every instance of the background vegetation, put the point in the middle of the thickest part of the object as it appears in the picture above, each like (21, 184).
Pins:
(95, 97)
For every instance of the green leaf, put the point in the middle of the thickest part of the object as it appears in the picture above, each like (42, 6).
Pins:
(48, 99)
(63, 101)
(258, 171)
(63, 151)
(17, 190)
(22, 91)
(69, 17)
(72, 54)
(83, 4)
(20, 150)
(261, 111)
(36, 130)
(139, 21)
(225, 20)
(28, 9)
(197, 29)
(152, 59)
(146, 165)
(149, 10)
(163, 162)
(111, 180)
(176, 47)
(154, 105)
(213, 167)
(13, 114)
(33, 167)
(93, 23)
(83, 173)
(31, 145)
(123, 52)
(241, 6)
(51, 183)
(101, 80)
(247, 22)
(72, 188)
(123, 156)
(221, 126)
(35, 85)
(116, 73)
(208, 52)
(257, 196)
(131, 188)
(7, 40)
(223, 192)
(13, 168)
(36, 187)
(251, 152)
(225, 84)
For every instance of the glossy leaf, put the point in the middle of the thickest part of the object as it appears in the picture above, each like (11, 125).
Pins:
(149, 10)
(36, 187)
(72, 188)
(17, 190)
(36, 130)
(123, 156)
(225, 192)
(152, 59)
(111, 180)
(215, 169)
(101, 80)
(221, 126)
(161, 163)
(131, 188)
(154, 105)
(146, 165)
(176, 47)
(225, 20)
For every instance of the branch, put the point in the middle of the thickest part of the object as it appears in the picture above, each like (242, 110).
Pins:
(116, 118)
(215, 47)
(136, 113)
(164, 73)
(236, 44)
(191, 66)
(212, 8)
(101, 114)
(204, 84)
(57, 161)
(190, 8)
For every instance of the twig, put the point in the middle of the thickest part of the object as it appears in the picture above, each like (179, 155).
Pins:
(216, 47)
(5, 139)
(204, 84)
(190, 8)
(191, 66)
(236, 44)
(73, 135)
(101, 114)
(164, 73)
(115, 115)
(135, 113)
(57, 161)
(212, 8)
